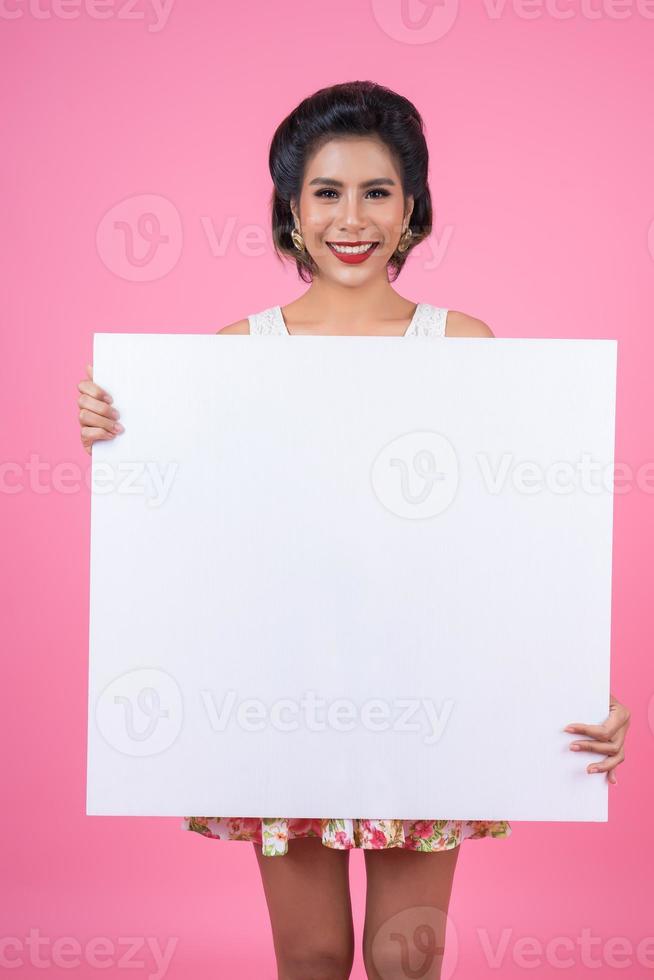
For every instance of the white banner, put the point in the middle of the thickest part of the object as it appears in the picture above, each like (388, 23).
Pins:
(360, 576)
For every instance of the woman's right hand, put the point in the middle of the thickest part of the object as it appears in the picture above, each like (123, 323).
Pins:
(97, 417)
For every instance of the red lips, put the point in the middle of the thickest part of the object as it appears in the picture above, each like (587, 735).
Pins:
(353, 258)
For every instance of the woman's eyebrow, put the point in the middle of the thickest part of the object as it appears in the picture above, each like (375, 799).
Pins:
(339, 183)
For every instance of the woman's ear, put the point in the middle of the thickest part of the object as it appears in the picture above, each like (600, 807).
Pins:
(408, 209)
(296, 217)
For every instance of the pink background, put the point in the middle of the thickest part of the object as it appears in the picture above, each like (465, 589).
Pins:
(542, 154)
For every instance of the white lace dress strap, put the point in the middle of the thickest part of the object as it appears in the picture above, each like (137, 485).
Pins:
(428, 321)
(266, 322)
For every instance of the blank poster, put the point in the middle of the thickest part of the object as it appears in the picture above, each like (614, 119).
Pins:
(350, 576)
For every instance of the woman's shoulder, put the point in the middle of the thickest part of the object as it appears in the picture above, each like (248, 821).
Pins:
(239, 326)
(462, 325)
(265, 321)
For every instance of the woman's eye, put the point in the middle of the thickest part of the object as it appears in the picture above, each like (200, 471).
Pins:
(374, 190)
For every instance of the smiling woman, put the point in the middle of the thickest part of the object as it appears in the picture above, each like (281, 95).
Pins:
(350, 158)
(350, 202)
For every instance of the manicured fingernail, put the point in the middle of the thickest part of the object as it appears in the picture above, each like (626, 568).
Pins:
(108, 398)
(570, 728)
(592, 770)
(118, 427)
(574, 748)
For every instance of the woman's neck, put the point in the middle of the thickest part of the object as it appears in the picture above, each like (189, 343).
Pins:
(352, 308)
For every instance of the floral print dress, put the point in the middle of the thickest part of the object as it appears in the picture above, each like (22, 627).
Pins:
(274, 833)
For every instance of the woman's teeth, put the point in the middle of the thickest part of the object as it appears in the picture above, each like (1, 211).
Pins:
(351, 249)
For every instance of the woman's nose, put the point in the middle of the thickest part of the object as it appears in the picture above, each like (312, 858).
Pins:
(353, 213)
(353, 217)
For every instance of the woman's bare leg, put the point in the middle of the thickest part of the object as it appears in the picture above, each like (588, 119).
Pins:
(407, 898)
(308, 896)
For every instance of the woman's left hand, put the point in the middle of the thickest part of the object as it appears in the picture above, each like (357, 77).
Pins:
(607, 739)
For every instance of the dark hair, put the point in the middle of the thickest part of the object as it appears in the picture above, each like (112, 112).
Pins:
(349, 109)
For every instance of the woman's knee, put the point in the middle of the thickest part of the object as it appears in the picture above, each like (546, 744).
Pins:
(316, 963)
(389, 964)
(407, 949)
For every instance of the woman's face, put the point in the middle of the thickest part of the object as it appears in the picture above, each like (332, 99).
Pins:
(352, 194)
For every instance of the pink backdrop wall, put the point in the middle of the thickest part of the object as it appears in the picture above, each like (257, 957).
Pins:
(542, 153)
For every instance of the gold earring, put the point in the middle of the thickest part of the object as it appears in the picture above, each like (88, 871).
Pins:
(405, 240)
(298, 241)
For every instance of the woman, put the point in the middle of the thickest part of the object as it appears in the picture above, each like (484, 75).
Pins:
(351, 200)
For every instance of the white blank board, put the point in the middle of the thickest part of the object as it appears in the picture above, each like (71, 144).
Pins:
(350, 576)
